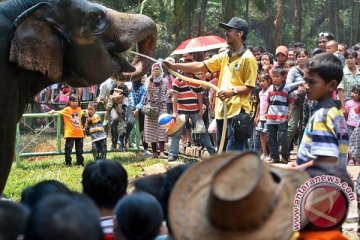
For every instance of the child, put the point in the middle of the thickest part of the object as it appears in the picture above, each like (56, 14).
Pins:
(266, 62)
(137, 216)
(73, 130)
(325, 137)
(98, 136)
(289, 64)
(352, 113)
(105, 182)
(277, 116)
(64, 94)
(260, 119)
(118, 110)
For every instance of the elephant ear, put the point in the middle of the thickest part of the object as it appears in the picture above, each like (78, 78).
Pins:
(35, 45)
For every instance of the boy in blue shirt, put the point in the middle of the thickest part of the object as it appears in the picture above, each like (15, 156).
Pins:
(325, 136)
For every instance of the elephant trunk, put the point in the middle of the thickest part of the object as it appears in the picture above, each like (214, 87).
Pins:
(127, 29)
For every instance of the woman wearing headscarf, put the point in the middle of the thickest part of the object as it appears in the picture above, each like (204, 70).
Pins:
(156, 97)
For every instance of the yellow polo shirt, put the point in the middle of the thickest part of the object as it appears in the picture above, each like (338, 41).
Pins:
(239, 72)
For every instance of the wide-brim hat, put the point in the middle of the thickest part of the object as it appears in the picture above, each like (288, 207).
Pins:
(234, 195)
(179, 123)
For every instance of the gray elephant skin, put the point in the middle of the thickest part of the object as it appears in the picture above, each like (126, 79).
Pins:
(49, 41)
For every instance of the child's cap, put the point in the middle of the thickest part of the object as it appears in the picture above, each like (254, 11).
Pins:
(282, 49)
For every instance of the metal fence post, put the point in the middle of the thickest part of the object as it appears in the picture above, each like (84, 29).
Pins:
(58, 132)
(17, 146)
(137, 134)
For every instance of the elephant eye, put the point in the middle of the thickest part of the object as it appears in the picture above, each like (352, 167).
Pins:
(99, 23)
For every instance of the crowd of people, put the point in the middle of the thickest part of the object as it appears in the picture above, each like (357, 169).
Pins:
(183, 203)
(273, 103)
(251, 86)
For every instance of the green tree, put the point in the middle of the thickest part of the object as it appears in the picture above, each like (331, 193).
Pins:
(271, 22)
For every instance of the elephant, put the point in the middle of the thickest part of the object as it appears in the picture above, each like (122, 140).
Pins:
(43, 42)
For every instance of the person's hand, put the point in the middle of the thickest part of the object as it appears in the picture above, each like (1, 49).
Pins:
(301, 88)
(289, 115)
(266, 68)
(174, 115)
(167, 64)
(136, 113)
(51, 112)
(224, 94)
(201, 114)
(344, 112)
(292, 164)
(256, 121)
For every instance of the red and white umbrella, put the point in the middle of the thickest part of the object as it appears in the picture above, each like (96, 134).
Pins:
(200, 44)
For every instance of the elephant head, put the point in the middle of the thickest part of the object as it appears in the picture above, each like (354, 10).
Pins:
(49, 41)
(81, 42)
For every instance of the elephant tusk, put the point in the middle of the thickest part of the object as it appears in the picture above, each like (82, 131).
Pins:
(202, 83)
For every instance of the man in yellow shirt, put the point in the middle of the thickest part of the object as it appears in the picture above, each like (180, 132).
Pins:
(238, 70)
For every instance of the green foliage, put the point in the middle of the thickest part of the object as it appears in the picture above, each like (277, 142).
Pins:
(177, 20)
(32, 172)
(165, 38)
(262, 5)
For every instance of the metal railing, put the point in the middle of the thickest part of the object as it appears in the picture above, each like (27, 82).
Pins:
(134, 137)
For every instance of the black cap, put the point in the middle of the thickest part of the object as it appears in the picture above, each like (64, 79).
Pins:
(236, 23)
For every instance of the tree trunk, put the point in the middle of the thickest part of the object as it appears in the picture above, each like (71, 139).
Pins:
(332, 23)
(337, 20)
(202, 15)
(265, 29)
(297, 20)
(352, 23)
(344, 38)
(357, 27)
(278, 22)
(247, 10)
(228, 9)
(179, 24)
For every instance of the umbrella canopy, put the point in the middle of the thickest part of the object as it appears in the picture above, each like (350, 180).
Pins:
(200, 44)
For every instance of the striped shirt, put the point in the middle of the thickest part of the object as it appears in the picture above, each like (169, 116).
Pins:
(107, 225)
(187, 99)
(325, 134)
(279, 100)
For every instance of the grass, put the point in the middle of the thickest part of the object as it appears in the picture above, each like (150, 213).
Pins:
(32, 171)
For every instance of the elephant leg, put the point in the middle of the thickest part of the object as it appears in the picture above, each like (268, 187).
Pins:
(7, 152)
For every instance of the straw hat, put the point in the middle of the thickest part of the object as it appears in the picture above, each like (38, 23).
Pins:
(234, 196)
